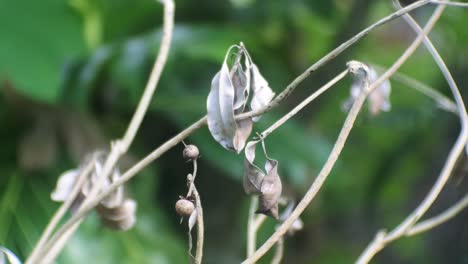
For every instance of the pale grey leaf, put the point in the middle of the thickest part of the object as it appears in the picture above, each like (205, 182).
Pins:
(10, 256)
(64, 186)
(220, 102)
(192, 220)
(262, 93)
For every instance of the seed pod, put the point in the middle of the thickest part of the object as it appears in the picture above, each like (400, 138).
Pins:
(184, 207)
(191, 152)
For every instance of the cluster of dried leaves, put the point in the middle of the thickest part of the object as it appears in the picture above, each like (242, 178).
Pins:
(229, 96)
(116, 211)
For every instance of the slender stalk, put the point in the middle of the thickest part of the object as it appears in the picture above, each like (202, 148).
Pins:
(339, 144)
(200, 227)
(439, 219)
(61, 211)
(279, 252)
(441, 64)
(120, 147)
(299, 107)
(382, 239)
(448, 3)
(442, 101)
(251, 228)
(406, 226)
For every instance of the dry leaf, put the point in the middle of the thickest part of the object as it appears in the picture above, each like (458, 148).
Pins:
(64, 186)
(228, 96)
(262, 93)
(253, 176)
(270, 190)
(220, 107)
(379, 99)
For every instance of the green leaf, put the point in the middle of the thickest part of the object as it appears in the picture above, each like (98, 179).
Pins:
(38, 39)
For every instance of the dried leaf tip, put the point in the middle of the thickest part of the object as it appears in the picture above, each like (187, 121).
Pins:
(379, 98)
(229, 96)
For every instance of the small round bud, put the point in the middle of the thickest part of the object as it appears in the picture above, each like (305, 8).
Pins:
(184, 207)
(191, 152)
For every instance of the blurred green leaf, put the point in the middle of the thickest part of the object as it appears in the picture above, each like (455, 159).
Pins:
(37, 44)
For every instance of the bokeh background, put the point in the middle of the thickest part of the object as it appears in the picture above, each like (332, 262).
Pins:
(72, 71)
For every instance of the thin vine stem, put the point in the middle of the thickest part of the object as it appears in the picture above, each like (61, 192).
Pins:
(440, 99)
(382, 238)
(251, 228)
(62, 210)
(339, 144)
(435, 221)
(303, 104)
(405, 227)
(200, 227)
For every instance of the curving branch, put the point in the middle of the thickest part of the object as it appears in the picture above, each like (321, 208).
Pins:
(120, 147)
(382, 238)
(439, 219)
(339, 144)
(442, 101)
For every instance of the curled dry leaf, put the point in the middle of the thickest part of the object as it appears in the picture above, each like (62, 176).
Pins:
(64, 186)
(115, 202)
(253, 176)
(379, 99)
(271, 190)
(262, 93)
(5, 253)
(268, 186)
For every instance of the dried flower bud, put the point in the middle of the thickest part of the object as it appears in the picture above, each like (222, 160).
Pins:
(191, 152)
(379, 98)
(184, 207)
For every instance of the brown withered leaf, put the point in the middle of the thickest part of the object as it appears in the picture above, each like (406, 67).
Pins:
(270, 190)
(253, 176)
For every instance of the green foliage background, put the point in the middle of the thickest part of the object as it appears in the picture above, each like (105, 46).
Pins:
(71, 73)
